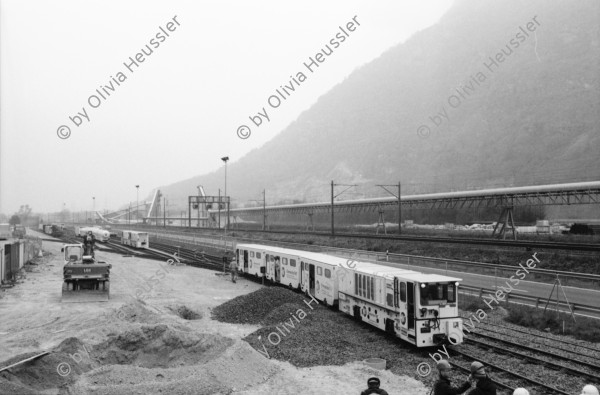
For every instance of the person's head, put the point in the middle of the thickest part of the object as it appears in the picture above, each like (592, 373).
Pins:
(589, 390)
(521, 391)
(373, 382)
(90, 232)
(444, 368)
(477, 370)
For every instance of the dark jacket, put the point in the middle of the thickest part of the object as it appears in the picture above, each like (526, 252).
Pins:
(485, 386)
(374, 391)
(443, 387)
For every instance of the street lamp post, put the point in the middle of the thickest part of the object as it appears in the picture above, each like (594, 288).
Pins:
(93, 209)
(137, 204)
(225, 159)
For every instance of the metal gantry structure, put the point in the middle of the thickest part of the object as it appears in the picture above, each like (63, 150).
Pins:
(505, 198)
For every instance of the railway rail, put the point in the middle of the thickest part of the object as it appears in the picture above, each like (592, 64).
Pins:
(595, 247)
(454, 240)
(487, 326)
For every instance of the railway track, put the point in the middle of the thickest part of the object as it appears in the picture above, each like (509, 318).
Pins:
(454, 240)
(570, 369)
(592, 247)
(194, 258)
(577, 348)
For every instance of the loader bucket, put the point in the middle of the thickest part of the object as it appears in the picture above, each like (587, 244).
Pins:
(84, 296)
(80, 295)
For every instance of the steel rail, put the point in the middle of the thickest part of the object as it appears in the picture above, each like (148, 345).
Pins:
(539, 336)
(540, 361)
(556, 390)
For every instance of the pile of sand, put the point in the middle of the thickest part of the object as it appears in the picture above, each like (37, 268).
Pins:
(159, 346)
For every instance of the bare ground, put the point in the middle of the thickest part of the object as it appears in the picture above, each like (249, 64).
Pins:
(154, 336)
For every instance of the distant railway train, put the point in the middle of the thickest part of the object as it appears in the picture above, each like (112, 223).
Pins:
(135, 239)
(419, 308)
(100, 234)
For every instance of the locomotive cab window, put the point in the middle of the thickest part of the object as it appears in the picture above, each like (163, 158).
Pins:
(251, 254)
(435, 294)
(327, 273)
(403, 292)
(292, 262)
(284, 261)
(258, 255)
(319, 271)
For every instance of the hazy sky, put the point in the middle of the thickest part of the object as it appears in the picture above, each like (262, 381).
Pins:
(174, 115)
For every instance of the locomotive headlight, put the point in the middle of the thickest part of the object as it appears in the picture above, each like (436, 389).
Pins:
(422, 285)
(456, 283)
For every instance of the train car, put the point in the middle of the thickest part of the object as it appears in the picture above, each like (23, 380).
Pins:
(282, 266)
(82, 230)
(99, 233)
(135, 239)
(419, 308)
(310, 272)
(250, 259)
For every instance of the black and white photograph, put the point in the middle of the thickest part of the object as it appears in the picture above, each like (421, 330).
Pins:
(342, 197)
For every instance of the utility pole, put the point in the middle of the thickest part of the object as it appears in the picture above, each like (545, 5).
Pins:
(332, 221)
(165, 212)
(198, 201)
(137, 204)
(219, 206)
(333, 197)
(264, 210)
(225, 159)
(398, 196)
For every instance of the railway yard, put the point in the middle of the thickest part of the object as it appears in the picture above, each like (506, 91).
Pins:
(176, 324)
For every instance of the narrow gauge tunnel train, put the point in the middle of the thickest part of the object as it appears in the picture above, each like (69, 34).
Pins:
(135, 239)
(419, 308)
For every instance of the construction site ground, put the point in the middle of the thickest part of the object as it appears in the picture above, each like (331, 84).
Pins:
(154, 336)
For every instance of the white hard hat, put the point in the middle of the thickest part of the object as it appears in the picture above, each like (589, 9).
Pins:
(521, 391)
(589, 390)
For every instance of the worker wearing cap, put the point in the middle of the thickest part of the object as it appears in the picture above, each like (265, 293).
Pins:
(589, 390)
(442, 386)
(373, 384)
(485, 385)
(521, 391)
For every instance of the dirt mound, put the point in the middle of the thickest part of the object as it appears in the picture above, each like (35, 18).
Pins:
(58, 369)
(253, 308)
(160, 346)
(137, 311)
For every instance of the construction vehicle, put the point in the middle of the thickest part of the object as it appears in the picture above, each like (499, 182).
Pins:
(84, 278)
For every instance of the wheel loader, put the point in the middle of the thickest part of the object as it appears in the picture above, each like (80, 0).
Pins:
(84, 278)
